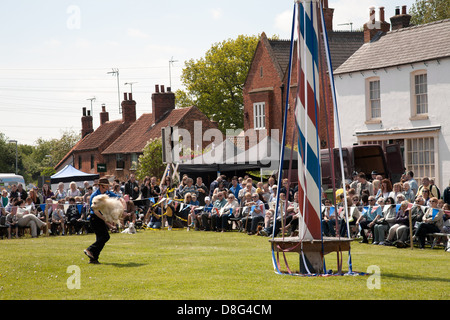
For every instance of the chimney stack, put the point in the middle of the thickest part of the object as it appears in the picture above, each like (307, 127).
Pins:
(373, 27)
(162, 103)
(327, 16)
(128, 108)
(86, 123)
(104, 116)
(402, 20)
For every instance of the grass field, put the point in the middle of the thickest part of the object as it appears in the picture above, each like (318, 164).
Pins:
(173, 265)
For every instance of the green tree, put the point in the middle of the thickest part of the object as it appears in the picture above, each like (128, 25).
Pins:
(8, 156)
(425, 11)
(214, 83)
(150, 162)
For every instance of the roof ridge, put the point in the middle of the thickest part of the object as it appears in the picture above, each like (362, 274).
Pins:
(412, 27)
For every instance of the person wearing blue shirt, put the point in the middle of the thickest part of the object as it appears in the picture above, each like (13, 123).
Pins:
(98, 223)
(235, 188)
(368, 218)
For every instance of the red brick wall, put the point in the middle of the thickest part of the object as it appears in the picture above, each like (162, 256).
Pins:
(252, 92)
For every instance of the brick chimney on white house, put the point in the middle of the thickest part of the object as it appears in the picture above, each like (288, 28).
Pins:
(372, 27)
(402, 20)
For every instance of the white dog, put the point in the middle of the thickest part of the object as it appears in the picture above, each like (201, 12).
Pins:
(110, 208)
(131, 229)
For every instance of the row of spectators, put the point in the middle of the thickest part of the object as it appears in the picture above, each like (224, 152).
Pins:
(373, 204)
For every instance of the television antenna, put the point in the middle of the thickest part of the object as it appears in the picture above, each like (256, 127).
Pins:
(92, 99)
(115, 72)
(347, 24)
(131, 85)
(171, 61)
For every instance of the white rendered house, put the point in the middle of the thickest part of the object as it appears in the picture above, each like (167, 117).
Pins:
(396, 88)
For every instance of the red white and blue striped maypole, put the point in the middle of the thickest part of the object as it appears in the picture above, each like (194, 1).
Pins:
(310, 244)
(306, 118)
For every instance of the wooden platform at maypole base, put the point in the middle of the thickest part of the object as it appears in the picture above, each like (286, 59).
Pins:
(313, 250)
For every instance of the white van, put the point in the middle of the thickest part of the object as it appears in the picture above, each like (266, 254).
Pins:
(8, 179)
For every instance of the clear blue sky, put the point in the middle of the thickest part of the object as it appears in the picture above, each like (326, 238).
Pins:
(55, 54)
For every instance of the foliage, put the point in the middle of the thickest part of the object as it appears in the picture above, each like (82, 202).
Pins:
(214, 83)
(8, 155)
(150, 162)
(34, 161)
(425, 11)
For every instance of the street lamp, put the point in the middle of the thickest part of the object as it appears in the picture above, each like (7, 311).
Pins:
(15, 141)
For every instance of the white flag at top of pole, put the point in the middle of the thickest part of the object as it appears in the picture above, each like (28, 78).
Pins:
(306, 116)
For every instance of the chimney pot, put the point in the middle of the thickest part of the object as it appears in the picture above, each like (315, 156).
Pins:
(404, 10)
(103, 108)
(372, 15)
(125, 98)
(169, 89)
(382, 14)
(157, 88)
(397, 10)
(162, 88)
(84, 112)
(130, 96)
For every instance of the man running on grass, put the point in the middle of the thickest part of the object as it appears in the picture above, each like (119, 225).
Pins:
(98, 223)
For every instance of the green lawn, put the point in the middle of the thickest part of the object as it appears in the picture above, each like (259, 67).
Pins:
(193, 265)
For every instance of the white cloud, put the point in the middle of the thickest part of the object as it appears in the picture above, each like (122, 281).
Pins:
(283, 21)
(216, 13)
(136, 33)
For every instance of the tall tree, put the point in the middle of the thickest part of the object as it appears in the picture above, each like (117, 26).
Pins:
(214, 83)
(425, 11)
(150, 162)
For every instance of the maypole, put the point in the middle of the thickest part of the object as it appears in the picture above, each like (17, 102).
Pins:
(338, 129)
(310, 243)
(280, 168)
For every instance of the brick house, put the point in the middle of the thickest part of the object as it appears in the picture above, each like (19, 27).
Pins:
(87, 153)
(265, 87)
(122, 155)
(115, 146)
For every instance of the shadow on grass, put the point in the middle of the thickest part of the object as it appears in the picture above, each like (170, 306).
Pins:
(412, 277)
(124, 265)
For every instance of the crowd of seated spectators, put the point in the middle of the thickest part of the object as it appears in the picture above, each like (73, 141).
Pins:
(376, 208)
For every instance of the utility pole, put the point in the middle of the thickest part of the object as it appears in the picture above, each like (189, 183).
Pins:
(171, 61)
(115, 72)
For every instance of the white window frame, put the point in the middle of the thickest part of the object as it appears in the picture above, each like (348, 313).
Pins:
(419, 92)
(134, 161)
(259, 115)
(429, 166)
(373, 97)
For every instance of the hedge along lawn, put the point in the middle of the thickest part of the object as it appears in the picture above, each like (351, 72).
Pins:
(180, 265)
